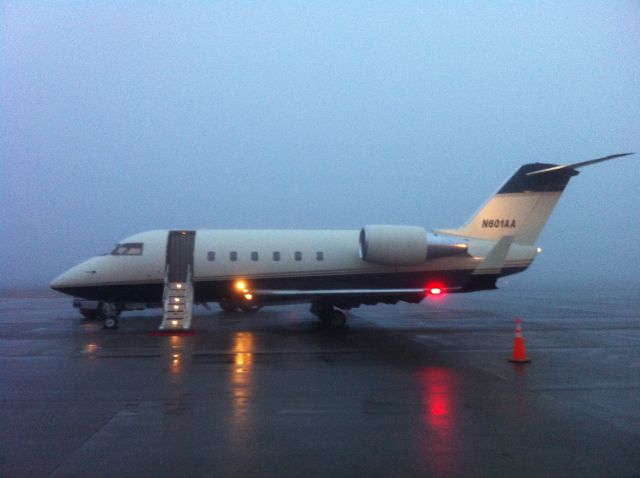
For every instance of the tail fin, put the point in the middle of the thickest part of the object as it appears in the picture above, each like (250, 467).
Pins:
(523, 204)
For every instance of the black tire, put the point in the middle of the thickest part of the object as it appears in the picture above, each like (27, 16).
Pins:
(249, 308)
(110, 323)
(322, 311)
(228, 306)
(338, 319)
(107, 310)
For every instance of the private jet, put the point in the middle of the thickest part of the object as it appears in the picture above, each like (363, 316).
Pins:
(332, 270)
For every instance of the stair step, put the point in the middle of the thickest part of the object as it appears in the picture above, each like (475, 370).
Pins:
(175, 309)
(174, 316)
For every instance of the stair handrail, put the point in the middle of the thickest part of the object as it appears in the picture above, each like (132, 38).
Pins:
(166, 282)
(189, 303)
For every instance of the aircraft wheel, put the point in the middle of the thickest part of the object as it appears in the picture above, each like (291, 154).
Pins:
(338, 319)
(227, 306)
(322, 311)
(111, 323)
(249, 308)
(333, 318)
(107, 310)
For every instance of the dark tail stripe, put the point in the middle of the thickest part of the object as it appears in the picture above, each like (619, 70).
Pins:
(549, 182)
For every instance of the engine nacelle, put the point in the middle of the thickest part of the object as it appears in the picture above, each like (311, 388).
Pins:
(393, 245)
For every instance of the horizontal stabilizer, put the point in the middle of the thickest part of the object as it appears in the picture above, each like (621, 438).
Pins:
(578, 165)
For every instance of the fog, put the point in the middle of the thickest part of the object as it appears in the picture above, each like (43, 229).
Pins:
(121, 118)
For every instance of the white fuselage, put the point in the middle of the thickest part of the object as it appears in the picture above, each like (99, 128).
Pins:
(302, 259)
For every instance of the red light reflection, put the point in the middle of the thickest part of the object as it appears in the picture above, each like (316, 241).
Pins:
(438, 407)
(439, 394)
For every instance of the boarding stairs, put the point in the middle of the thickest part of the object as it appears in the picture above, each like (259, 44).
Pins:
(177, 301)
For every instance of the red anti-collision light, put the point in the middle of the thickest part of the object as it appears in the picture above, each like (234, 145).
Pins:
(435, 291)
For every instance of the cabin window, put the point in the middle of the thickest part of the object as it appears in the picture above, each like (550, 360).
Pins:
(276, 256)
(254, 256)
(233, 256)
(211, 256)
(128, 249)
(320, 256)
(297, 256)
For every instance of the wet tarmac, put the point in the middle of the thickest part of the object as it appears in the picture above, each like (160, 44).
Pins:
(407, 390)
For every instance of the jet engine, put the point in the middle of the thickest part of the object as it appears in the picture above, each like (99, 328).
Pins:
(393, 245)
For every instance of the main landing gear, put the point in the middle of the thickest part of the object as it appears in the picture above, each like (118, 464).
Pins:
(228, 305)
(331, 317)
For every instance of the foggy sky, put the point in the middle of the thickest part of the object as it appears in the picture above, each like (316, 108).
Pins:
(117, 119)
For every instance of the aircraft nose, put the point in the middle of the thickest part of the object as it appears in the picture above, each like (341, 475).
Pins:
(62, 281)
(55, 283)
(74, 277)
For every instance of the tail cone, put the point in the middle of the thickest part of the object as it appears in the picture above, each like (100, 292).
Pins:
(519, 353)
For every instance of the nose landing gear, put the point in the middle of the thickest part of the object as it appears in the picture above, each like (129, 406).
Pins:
(109, 312)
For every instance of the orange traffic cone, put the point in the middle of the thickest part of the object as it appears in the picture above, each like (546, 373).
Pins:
(519, 353)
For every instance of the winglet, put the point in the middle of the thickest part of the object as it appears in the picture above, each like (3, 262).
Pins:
(578, 165)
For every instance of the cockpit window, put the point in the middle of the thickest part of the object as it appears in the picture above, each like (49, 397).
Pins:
(128, 249)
